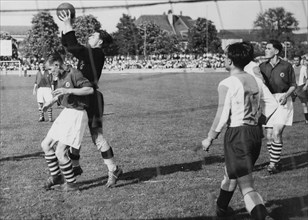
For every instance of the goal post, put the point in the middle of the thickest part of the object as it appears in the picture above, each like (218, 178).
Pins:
(10, 67)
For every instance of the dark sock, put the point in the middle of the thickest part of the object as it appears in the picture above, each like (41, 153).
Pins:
(306, 116)
(224, 198)
(73, 156)
(259, 212)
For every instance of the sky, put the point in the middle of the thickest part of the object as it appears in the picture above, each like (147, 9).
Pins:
(226, 14)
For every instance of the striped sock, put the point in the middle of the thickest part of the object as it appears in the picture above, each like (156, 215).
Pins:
(275, 152)
(41, 112)
(53, 164)
(67, 170)
(49, 114)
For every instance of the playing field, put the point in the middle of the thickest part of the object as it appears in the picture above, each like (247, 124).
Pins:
(153, 121)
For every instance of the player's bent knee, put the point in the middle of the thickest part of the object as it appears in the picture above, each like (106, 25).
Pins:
(245, 184)
(228, 184)
(46, 145)
(61, 153)
(102, 144)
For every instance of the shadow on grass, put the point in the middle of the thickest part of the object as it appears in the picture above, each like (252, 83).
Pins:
(299, 121)
(193, 218)
(87, 184)
(283, 209)
(22, 157)
(167, 112)
(146, 174)
(289, 163)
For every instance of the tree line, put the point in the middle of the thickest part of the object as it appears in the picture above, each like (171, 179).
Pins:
(148, 39)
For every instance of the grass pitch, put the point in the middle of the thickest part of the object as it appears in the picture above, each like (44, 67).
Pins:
(153, 121)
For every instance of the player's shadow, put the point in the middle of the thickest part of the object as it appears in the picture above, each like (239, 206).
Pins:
(22, 157)
(291, 162)
(284, 209)
(146, 174)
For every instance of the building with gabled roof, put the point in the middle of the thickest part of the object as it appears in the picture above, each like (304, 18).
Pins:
(173, 24)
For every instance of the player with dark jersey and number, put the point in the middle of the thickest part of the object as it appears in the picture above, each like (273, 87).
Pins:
(279, 77)
(91, 61)
(42, 88)
(69, 127)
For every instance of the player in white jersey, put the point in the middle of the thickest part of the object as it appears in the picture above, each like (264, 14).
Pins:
(242, 100)
(301, 74)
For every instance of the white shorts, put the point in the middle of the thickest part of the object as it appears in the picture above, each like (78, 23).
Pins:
(69, 127)
(284, 113)
(43, 94)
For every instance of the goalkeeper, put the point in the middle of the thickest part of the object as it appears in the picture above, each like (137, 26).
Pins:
(91, 62)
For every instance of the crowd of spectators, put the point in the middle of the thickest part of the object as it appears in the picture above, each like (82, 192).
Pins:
(120, 63)
(165, 62)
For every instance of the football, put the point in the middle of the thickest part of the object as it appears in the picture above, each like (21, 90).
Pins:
(66, 6)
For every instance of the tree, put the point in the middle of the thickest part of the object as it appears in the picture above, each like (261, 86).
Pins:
(202, 37)
(7, 36)
(127, 38)
(276, 23)
(84, 26)
(42, 39)
(111, 49)
(156, 40)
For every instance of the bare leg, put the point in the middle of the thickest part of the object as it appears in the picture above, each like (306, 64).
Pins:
(253, 200)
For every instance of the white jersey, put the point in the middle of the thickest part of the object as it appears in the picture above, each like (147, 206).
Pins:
(253, 69)
(303, 76)
(300, 74)
(242, 100)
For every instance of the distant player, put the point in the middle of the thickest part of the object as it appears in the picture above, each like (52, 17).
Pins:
(301, 74)
(241, 102)
(280, 79)
(43, 86)
(68, 129)
(91, 62)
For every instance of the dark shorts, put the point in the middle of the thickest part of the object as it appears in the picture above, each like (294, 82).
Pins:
(242, 148)
(95, 110)
(301, 94)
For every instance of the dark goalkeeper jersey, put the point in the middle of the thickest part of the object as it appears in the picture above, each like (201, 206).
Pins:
(90, 60)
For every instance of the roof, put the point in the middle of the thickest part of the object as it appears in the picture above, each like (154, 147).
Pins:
(15, 30)
(160, 20)
(181, 24)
